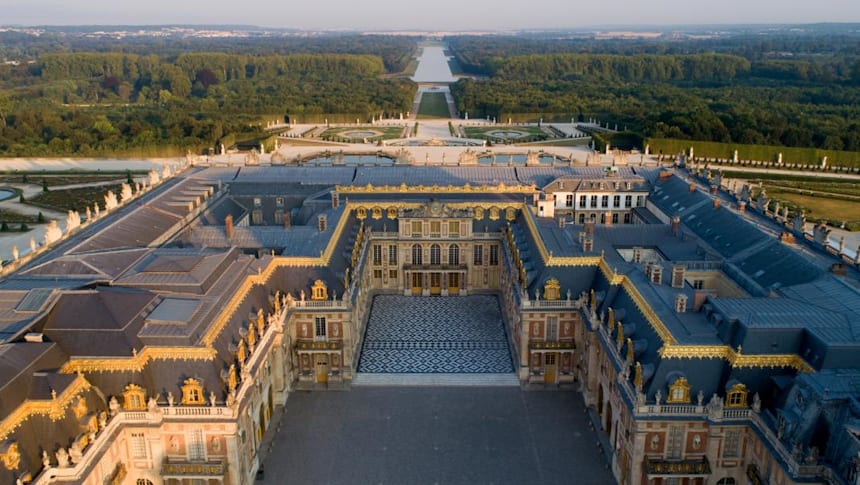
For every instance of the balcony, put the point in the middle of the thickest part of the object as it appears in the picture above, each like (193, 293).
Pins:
(675, 468)
(563, 345)
(304, 344)
(192, 469)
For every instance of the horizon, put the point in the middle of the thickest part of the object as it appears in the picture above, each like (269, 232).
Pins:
(443, 15)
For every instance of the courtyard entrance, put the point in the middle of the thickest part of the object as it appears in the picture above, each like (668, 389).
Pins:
(455, 335)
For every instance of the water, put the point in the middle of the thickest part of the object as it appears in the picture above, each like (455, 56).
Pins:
(6, 194)
(433, 66)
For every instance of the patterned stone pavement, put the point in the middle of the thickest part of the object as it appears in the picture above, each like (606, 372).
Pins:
(409, 334)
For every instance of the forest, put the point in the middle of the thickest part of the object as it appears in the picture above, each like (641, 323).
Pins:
(793, 91)
(122, 103)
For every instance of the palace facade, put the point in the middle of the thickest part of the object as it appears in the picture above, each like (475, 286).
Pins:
(159, 348)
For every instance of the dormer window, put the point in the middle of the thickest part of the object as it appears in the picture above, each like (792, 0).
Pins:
(192, 392)
(134, 398)
(679, 391)
(737, 396)
(319, 291)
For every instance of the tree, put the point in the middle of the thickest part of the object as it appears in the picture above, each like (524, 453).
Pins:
(4, 227)
(44, 185)
(40, 218)
(24, 227)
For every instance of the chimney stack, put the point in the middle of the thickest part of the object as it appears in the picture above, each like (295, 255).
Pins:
(228, 225)
(676, 225)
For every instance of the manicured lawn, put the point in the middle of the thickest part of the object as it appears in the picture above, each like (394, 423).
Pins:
(74, 199)
(357, 134)
(817, 207)
(433, 105)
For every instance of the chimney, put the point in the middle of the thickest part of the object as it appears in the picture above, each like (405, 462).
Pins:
(676, 225)
(589, 227)
(34, 337)
(588, 244)
(742, 207)
(228, 225)
(692, 187)
(716, 203)
(288, 219)
(656, 274)
(322, 223)
(335, 199)
(637, 255)
(681, 303)
(678, 275)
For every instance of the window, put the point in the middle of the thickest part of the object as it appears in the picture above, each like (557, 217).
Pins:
(698, 284)
(197, 447)
(679, 391)
(258, 202)
(603, 218)
(552, 329)
(568, 200)
(416, 254)
(435, 229)
(392, 274)
(583, 201)
(453, 228)
(319, 327)
(143, 481)
(192, 392)
(138, 446)
(615, 218)
(377, 274)
(279, 216)
(494, 255)
(616, 201)
(628, 201)
(478, 252)
(256, 217)
(737, 396)
(279, 201)
(582, 218)
(640, 201)
(675, 443)
(593, 201)
(134, 398)
(392, 254)
(453, 254)
(416, 228)
(732, 443)
(604, 201)
(377, 254)
(435, 254)
(627, 218)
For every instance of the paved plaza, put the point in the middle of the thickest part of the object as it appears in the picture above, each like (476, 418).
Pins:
(435, 436)
(413, 334)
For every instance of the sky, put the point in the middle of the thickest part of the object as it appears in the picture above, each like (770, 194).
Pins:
(425, 15)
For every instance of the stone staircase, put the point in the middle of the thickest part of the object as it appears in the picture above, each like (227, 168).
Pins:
(364, 379)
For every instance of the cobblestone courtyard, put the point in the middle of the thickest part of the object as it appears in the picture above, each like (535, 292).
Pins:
(435, 436)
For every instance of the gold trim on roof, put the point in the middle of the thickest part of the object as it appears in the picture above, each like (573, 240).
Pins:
(434, 189)
(55, 407)
(137, 362)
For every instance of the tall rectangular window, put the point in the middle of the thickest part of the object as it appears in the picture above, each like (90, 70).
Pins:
(675, 443)
(416, 229)
(732, 443)
(196, 446)
(628, 201)
(392, 254)
(593, 201)
(319, 327)
(479, 255)
(552, 329)
(138, 446)
(616, 201)
(377, 254)
(568, 200)
(640, 201)
(604, 201)
(494, 255)
(453, 228)
(435, 229)
(583, 201)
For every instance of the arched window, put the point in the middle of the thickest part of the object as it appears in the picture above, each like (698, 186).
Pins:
(416, 254)
(435, 254)
(143, 481)
(453, 254)
(192, 392)
(726, 481)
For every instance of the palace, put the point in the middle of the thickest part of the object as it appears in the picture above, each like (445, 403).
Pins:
(155, 342)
